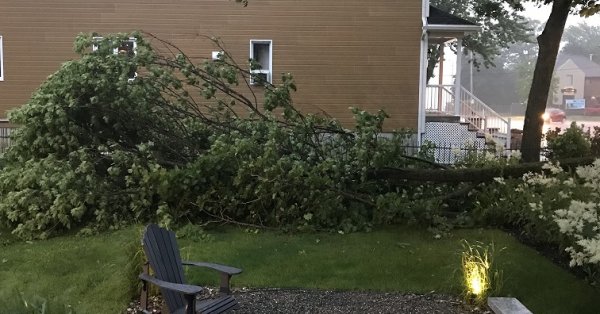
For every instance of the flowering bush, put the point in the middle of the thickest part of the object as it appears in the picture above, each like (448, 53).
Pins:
(492, 155)
(556, 207)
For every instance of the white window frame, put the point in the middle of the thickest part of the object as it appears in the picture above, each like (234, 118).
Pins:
(97, 39)
(115, 50)
(268, 72)
(1, 59)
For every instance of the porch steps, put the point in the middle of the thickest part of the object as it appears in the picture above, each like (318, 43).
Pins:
(440, 107)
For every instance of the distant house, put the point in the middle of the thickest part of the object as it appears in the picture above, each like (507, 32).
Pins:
(578, 79)
(368, 54)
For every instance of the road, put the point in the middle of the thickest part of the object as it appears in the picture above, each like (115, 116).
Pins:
(587, 121)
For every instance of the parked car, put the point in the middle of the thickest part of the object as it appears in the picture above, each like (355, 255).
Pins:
(554, 115)
(593, 107)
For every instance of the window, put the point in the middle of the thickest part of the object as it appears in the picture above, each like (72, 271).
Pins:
(96, 43)
(127, 48)
(261, 52)
(570, 79)
(1, 60)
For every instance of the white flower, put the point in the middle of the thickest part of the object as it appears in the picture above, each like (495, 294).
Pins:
(516, 155)
(591, 250)
(534, 206)
(499, 180)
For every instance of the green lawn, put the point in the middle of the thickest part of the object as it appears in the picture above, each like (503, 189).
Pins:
(88, 273)
(85, 273)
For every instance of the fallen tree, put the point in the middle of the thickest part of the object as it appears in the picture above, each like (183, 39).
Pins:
(457, 175)
(186, 140)
(189, 141)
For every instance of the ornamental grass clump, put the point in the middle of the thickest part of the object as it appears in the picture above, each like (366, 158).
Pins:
(480, 278)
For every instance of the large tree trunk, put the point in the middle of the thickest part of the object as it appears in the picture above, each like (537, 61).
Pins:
(469, 174)
(549, 43)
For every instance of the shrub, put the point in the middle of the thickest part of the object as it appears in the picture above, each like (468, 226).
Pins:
(574, 142)
(556, 207)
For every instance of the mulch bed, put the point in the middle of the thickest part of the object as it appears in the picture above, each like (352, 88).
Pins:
(318, 301)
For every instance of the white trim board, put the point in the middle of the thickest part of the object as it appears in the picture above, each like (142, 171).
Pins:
(2, 58)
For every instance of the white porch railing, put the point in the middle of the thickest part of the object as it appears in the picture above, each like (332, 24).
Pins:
(440, 99)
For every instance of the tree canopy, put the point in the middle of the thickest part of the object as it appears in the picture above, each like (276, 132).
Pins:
(501, 26)
(582, 39)
(190, 141)
(549, 43)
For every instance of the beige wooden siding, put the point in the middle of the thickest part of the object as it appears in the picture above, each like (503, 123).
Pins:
(341, 53)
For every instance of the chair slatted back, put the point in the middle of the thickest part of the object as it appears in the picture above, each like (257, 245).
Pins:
(163, 255)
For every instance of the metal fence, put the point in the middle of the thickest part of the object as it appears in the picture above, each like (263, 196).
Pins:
(450, 153)
(443, 153)
(5, 133)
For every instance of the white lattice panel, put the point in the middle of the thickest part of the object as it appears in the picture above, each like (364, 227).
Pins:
(450, 138)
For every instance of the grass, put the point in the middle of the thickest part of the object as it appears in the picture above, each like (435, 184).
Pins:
(85, 274)
(88, 273)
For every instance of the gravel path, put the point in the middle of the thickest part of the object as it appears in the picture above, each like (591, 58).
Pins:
(333, 302)
(330, 302)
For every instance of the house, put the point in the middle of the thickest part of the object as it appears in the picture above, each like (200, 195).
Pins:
(578, 83)
(368, 54)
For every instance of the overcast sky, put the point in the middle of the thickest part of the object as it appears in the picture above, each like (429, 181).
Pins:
(543, 12)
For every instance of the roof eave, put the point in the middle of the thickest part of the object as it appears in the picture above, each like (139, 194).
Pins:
(453, 28)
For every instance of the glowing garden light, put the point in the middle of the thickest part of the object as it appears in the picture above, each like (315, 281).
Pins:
(477, 272)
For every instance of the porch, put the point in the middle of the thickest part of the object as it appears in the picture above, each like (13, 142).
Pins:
(449, 101)
(442, 101)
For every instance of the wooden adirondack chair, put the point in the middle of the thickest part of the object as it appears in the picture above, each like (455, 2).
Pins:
(163, 256)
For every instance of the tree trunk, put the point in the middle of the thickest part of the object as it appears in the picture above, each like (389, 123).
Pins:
(549, 43)
(469, 174)
(433, 56)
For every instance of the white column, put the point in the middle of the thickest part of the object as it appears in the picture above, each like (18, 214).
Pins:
(457, 82)
(422, 86)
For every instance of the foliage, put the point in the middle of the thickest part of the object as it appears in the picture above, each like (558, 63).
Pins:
(573, 142)
(492, 155)
(513, 72)
(189, 142)
(582, 40)
(194, 232)
(549, 43)
(557, 208)
(136, 259)
(501, 27)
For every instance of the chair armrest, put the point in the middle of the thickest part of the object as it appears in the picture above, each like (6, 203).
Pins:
(181, 288)
(221, 268)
